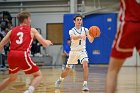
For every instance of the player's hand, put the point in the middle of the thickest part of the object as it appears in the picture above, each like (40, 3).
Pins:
(49, 43)
(83, 37)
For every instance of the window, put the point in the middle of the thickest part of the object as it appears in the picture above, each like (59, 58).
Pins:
(55, 33)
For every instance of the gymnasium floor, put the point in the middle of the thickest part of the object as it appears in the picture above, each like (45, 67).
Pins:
(129, 80)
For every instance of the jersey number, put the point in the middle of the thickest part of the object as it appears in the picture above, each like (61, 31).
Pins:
(79, 42)
(20, 39)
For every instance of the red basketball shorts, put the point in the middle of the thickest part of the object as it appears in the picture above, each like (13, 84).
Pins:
(127, 38)
(19, 60)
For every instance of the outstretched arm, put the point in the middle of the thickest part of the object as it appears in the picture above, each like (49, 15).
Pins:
(41, 40)
(5, 40)
(75, 37)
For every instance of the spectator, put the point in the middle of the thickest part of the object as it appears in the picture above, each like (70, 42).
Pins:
(66, 51)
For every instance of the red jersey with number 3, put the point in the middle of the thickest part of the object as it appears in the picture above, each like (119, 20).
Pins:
(130, 10)
(20, 38)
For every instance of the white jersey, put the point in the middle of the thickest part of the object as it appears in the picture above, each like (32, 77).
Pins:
(78, 44)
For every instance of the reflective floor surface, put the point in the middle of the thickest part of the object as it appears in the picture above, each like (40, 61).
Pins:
(128, 80)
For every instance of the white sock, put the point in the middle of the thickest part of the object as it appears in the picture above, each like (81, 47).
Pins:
(31, 89)
(61, 79)
(85, 82)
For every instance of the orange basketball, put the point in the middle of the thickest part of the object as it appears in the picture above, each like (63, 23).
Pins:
(94, 31)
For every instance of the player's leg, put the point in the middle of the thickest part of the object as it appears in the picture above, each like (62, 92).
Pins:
(7, 81)
(138, 46)
(112, 74)
(37, 76)
(13, 69)
(66, 71)
(71, 60)
(86, 71)
(29, 67)
(63, 75)
(84, 62)
(65, 63)
(122, 48)
(85, 67)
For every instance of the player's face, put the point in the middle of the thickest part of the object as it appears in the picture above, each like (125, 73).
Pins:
(78, 21)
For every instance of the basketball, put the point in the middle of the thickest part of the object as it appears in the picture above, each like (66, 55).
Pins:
(94, 31)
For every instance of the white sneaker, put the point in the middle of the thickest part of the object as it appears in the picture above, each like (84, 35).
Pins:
(85, 87)
(28, 91)
(57, 83)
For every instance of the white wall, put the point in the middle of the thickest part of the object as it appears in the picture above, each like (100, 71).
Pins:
(56, 53)
(40, 20)
(134, 60)
(138, 60)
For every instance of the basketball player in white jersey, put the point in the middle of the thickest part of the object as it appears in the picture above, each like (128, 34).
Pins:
(78, 36)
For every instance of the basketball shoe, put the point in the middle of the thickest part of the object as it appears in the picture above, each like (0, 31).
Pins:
(57, 83)
(85, 87)
(28, 91)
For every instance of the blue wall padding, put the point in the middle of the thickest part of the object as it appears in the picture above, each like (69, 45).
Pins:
(99, 51)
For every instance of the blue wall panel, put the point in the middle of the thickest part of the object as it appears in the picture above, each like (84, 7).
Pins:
(99, 50)
(68, 24)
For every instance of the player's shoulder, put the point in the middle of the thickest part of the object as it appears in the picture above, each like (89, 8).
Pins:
(9, 32)
(72, 29)
(16, 27)
(33, 29)
(84, 28)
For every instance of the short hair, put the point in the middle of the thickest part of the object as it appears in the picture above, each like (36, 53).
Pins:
(77, 16)
(23, 15)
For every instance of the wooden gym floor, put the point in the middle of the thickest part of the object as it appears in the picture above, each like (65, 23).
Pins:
(128, 80)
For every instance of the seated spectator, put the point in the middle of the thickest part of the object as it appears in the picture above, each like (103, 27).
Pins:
(35, 49)
(5, 25)
(66, 51)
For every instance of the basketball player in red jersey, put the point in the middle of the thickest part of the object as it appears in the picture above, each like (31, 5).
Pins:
(126, 39)
(20, 39)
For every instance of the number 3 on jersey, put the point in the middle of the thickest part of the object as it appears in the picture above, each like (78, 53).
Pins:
(20, 39)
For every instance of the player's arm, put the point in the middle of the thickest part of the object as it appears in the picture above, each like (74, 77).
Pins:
(90, 38)
(5, 40)
(75, 37)
(41, 40)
